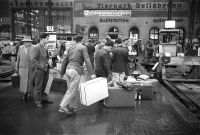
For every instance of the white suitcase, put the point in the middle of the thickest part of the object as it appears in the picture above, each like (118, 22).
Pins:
(93, 91)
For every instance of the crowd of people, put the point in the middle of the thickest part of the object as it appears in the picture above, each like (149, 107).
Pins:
(107, 58)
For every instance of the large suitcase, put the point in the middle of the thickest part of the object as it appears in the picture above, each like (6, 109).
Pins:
(93, 91)
(15, 80)
(120, 97)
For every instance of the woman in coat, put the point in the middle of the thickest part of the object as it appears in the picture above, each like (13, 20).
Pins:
(25, 69)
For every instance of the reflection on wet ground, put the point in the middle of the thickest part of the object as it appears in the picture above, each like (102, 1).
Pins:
(150, 117)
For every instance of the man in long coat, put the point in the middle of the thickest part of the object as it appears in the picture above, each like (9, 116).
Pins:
(25, 68)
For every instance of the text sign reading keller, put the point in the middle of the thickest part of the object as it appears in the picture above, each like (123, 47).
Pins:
(89, 13)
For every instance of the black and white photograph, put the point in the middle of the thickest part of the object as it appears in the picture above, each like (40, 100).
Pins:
(99, 67)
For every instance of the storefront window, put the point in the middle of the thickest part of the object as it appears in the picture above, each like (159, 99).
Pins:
(93, 33)
(34, 22)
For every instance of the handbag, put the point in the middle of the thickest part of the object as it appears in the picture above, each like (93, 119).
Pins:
(15, 80)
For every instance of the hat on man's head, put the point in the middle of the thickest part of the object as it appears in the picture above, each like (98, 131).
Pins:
(27, 39)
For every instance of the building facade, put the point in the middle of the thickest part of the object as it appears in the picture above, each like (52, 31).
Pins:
(30, 17)
(95, 18)
(142, 18)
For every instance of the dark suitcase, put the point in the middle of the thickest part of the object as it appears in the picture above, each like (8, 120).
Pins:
(59, 85)
(146, 88)
(15, 80)
(119, 97)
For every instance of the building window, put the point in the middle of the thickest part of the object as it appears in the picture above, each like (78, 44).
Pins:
(93, 33)
(154, 35)
(113, 32)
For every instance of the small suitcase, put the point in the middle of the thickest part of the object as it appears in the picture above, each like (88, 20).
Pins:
(93, 91)
(146, 88)
(15, 80)
(147, 92)
(120, 97)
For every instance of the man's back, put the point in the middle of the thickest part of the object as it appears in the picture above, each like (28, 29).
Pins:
(119, 60)
(76, 59)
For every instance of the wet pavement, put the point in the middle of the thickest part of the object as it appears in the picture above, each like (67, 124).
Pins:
(160, 116)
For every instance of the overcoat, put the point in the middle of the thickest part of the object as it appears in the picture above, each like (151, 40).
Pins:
(25, 68)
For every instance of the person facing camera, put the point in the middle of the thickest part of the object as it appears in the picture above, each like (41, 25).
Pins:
(25, 69)
(40, 59)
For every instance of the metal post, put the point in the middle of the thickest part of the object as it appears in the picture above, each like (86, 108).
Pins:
(169, 10)
(49, 13)
(191, 20)
(28, 20)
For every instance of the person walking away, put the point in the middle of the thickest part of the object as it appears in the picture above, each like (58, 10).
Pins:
(40, 59)
(72, 67)
(120, 61)
(103, 61)
(25, 68)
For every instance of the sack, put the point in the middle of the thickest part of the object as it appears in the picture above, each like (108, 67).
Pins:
(93, 91)
(56, 84)
(15, 80)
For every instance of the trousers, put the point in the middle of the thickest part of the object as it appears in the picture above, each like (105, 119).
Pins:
(71, 96)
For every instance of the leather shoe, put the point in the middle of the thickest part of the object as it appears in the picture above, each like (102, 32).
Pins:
(64, 110)
(39, 105)
(46, 101)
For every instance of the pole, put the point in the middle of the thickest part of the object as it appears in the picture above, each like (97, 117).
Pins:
(191, 20)
(49, 13)
(28, 21)
(169, 10)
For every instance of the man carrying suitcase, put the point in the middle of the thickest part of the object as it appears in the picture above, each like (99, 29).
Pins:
(72, 67)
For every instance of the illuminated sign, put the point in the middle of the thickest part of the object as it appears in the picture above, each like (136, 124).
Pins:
(50, 28)
(89, 13)
(170, 24)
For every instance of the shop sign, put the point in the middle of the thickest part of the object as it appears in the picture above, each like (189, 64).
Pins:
(113, 20)
(90, 13)
(137, 6)
(38, 3)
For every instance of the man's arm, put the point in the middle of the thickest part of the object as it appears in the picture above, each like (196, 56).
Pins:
(106, 64)
(18, 60)
(64, 65)
(88, 63)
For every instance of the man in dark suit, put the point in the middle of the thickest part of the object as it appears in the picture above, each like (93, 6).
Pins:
(103, 61)
(40, 60)
(119, 62)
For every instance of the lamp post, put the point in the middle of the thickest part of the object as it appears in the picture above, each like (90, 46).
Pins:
(169, 17)
(49, 13)
(28, 20)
